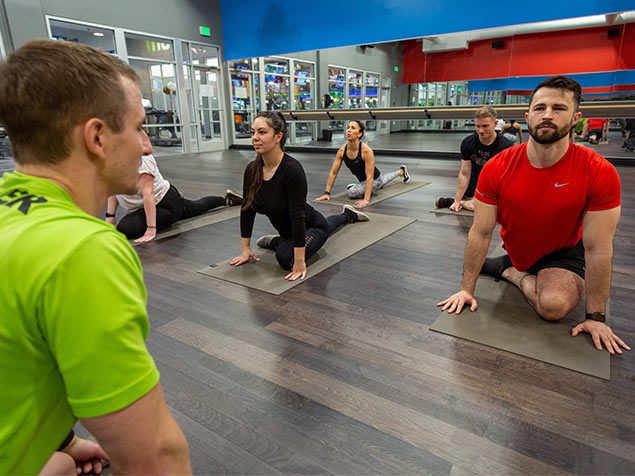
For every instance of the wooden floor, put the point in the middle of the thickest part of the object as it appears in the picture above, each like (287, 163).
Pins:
(342, 375)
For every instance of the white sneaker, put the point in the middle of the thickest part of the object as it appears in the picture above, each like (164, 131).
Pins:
(354, 215)
(406, 175)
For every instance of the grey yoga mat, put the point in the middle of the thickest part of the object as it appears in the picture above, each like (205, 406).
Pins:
(506, 321)
(391, 190)
(209, 218)
(447, 211)
(266, 275)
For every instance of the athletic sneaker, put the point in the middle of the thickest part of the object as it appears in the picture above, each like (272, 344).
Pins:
(406, 175)
(354, 215)
(495, 266)
(266, 241)
(233, 198)
(443, 202)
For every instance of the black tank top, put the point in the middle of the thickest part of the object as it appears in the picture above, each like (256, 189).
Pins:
(511, 129)
(357, 165)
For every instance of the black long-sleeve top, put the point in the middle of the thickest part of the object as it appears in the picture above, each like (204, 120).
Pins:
(282, 199)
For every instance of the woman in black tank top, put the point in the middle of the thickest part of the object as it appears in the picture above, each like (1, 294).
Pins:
(360, 160)
(512, 131)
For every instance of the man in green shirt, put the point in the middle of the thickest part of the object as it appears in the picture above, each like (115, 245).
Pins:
(73, 318)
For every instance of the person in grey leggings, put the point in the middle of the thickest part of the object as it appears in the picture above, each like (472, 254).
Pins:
(362, 166)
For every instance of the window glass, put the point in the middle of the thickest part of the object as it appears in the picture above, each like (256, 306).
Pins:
(96, 37)
(149, 47)
(205, 55)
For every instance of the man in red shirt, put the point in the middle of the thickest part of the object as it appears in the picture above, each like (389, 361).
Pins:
(597, 129)
(558, 205)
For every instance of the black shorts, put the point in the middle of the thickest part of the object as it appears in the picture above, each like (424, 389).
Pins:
(571, 259)
(595, 132)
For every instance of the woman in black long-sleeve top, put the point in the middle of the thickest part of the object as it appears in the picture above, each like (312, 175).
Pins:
(275, 185)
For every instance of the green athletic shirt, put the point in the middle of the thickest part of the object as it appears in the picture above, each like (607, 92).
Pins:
(73, 321)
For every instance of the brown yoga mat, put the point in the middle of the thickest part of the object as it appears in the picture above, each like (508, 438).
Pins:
(209, 218)
(391, 190)
(506, 321)
(447, 211)
(266, 275)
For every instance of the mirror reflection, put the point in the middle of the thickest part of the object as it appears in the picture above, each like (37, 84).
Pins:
(484, 67)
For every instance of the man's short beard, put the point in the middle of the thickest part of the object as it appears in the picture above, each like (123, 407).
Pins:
(550, 137)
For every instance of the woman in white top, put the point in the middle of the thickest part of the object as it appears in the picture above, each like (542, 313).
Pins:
(158, 204)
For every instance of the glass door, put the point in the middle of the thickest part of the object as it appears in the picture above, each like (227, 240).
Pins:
(244, 89)
(207, 99)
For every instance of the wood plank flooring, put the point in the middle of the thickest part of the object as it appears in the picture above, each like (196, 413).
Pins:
(341, 374)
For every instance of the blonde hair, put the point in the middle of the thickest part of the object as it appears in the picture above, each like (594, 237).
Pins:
(485, 111)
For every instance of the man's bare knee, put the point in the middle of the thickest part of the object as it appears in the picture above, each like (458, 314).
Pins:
(553, 307)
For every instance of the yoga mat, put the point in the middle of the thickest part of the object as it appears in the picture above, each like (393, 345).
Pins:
(266, 275)
(391, 190)
(506, 321)
(209, 218)
(447, 211)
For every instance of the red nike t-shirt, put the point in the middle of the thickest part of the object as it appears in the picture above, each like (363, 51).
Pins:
(541, 210)
(596, 123)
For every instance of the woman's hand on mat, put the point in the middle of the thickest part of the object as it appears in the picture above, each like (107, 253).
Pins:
(149, 235)
(601, 334)
(244, 257)
(361, 203)
(111, 220)
(454, 304)
(456, 206)
(298, 271)
(321, 198)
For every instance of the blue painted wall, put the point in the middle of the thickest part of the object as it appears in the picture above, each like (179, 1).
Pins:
(527, 83)
(268, 27)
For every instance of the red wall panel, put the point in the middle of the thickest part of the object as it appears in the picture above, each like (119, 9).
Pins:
(562, 52)
(627, 50)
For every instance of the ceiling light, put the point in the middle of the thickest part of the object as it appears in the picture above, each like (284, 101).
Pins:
(98, 33)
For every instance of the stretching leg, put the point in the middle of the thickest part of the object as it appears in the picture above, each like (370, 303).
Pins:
(384, 179)
(194, 208)
(553, 292)
(315, 239)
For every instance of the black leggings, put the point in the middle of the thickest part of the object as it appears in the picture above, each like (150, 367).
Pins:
(170, 209)
(316, 236)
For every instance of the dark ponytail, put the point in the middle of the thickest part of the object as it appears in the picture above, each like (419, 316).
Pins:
(253, 180)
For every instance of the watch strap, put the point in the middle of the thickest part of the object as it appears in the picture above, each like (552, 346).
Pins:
(596, 316)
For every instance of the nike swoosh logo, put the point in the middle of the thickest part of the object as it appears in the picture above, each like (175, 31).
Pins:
(558, 185)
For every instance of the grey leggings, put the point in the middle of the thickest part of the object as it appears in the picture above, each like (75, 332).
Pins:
(358, 190)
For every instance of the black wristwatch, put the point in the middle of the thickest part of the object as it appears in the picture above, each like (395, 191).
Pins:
(110, 215)
(326, 192)
(596, 316)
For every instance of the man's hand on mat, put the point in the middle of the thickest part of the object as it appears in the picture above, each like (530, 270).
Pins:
(321, 198)
(147, 236)
(361, 203)
(456, 207)
(243, 258)
(298, 271)
(601, 333)
(88, 455)
(454, 304)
